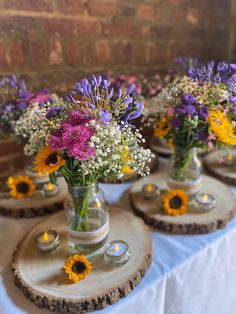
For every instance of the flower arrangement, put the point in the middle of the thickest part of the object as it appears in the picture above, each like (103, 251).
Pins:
(77, 267)
(198, 111)
(14, 99)
(90, 136)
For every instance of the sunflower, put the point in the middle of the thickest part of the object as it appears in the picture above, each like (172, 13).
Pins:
(175, 202)
(163, 128)
(222, 128)
(78, 267)
(48, 160)
(21, 186)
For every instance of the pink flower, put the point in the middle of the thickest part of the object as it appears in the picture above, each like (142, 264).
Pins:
(76, 118)
(76, 134)
(55, 141)
(170, 112)
(211, 137)
(210, 146)
(81, 151)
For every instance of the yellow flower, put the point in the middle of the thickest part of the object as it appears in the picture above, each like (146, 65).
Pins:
(175, 202)
(126, 158)
(78, 267)
(48, 161)
(222, 128)
(21, 186)
(163, 128)
(171, 143)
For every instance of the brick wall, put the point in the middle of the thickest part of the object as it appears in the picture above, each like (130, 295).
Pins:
(55, 42)
(11, 157)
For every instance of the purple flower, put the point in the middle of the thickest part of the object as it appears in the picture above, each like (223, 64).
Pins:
(76, 134)
(188, 110)
(234, 77)
(132, 113)
(52, 112)
(176, 123)
(232, 66)
(189, 99)
(202, 136)
(76, 118)
(233, 100)
(105, 116)
(203, 113)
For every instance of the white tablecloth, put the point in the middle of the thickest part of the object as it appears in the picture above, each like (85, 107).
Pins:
(188, 275)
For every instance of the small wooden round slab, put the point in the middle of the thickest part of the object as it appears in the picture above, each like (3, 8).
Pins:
(195, 221)
(219, 170)
(134, 176)
(34, 206)
(43, 281)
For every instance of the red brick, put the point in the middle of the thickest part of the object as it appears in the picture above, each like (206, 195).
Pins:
(38, 54)
(55, 52)
(89, 54)
(62, 27)
(121, 30)
(128, 11)
(3, 54)
(89, 28)
(72, 53)
(29, 5)
(102, 8)
(17, 55)
(10, 147)
(122, 52)
(145, 12)
(71, 7)
(103, 52)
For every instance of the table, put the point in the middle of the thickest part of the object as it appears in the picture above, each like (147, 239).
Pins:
(189, 274)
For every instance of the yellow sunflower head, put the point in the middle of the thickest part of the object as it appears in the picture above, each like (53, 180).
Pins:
(21, 186)
(163, 128)
(222, 127)
(77, 267)
(175, 202)
(48, 160)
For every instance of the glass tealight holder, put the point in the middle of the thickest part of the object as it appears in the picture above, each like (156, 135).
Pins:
(47, 241)
(117, 253)
(230, 159)
(205, 201)
(50, 189)
(150, 191)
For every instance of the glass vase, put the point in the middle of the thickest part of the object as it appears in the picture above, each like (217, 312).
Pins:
(88, 218)
(185, 172)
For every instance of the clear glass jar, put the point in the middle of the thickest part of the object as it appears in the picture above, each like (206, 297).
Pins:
(185, 172)
(88, 218)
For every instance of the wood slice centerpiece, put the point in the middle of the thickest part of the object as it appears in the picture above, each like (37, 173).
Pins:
(195, 221)
(34, 206)
(43, 281)
(222, 171)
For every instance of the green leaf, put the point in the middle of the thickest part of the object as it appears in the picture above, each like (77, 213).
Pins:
(53, 177)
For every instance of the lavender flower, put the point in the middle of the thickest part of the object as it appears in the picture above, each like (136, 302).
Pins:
(203, 113)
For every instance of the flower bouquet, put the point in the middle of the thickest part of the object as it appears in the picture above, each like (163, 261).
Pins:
(87, 138)
(197, 112)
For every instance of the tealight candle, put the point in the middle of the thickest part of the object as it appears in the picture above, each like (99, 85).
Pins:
(50, 189)
(150, 191)
(47, 241)
(205, 201)
(117, 253)
(230, 159)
